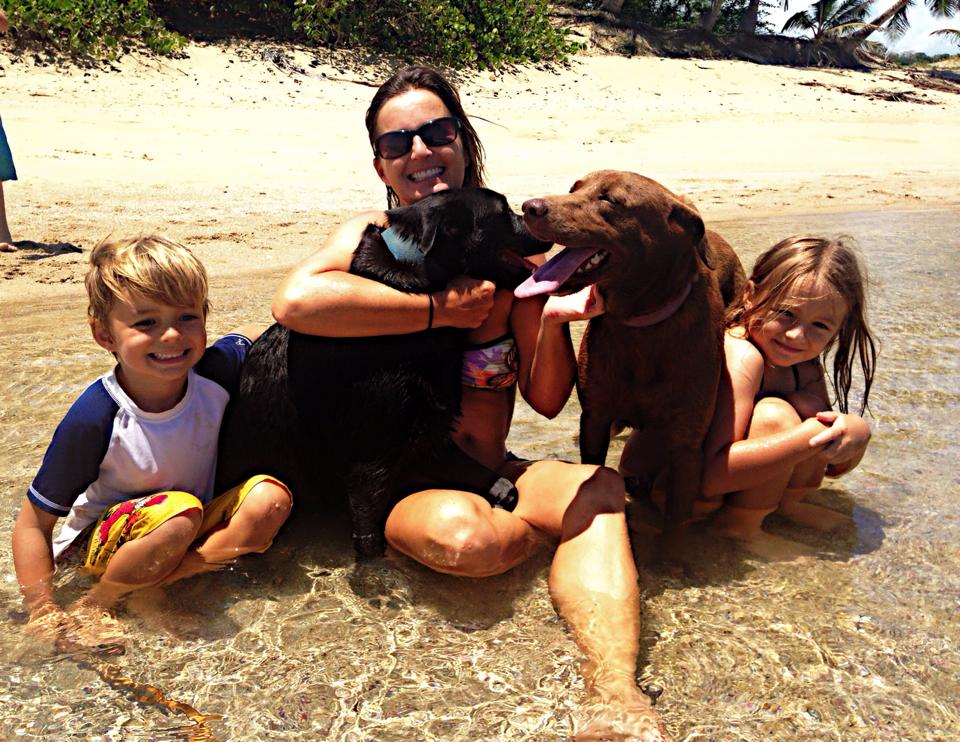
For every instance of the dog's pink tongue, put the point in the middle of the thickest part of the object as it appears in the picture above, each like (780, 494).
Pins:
(551, 275)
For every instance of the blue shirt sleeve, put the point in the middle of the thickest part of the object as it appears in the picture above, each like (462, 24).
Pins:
(72, 461)
(223, 360)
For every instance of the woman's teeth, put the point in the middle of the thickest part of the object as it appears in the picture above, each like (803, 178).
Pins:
(425, 174)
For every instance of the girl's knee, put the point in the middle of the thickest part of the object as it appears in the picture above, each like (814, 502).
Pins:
(773, 415)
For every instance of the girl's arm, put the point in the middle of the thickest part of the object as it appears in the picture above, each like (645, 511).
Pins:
(846, 441)
(548, 364)
(33, 558)
(731, 461)
(320, 297)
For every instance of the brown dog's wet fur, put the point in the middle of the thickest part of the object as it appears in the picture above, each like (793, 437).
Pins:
(652, 251)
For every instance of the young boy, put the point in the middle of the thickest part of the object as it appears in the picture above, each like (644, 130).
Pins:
(131, 466)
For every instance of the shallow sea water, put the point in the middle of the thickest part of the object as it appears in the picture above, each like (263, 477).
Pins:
(861, 642)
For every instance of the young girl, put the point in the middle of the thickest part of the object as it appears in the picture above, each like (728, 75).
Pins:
(774, 435)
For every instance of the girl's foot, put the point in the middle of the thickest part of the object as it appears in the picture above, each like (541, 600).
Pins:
(744, 526)
(809, 515)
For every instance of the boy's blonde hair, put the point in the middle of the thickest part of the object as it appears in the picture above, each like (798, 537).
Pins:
(150, 265)
(830, 261)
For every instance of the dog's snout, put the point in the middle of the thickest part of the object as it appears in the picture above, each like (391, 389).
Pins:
(534, 207)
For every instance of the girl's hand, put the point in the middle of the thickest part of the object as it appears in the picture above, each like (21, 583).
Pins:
(844, 441)
(584, 304)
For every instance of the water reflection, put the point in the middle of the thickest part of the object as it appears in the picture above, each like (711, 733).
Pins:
(858, 643)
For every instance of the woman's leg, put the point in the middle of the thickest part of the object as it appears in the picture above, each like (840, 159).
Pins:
(593, 579)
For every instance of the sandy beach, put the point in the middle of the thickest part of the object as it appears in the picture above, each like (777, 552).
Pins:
(253, 165)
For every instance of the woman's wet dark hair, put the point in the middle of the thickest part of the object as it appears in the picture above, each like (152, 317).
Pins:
(422, 77)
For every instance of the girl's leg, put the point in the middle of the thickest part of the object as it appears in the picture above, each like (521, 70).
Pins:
(240, 528)
(805, 480)
(743, 513)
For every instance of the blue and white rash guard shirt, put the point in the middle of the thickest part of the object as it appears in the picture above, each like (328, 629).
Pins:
(107, 450)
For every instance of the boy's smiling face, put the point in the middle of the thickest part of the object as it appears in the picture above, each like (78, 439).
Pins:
(155, 344)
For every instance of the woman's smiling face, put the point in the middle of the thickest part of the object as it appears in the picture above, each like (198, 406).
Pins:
(423, 170)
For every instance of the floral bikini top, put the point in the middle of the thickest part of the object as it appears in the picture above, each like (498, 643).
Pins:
(491, 365)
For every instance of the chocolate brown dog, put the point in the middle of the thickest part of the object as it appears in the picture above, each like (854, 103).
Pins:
(652, 361)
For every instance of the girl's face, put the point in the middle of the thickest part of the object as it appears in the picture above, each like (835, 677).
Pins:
(423, 170)
(800, 332)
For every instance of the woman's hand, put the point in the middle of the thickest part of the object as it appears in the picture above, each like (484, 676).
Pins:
(584, 304)
(846, 439)
(464, 302)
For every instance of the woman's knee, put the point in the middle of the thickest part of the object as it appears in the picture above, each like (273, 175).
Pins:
(600, 493)
(773, 415)
(456, 535)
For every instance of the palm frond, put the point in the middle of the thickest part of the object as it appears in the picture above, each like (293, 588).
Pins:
(951, 33)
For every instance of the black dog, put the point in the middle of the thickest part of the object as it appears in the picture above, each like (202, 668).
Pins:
(368, 420)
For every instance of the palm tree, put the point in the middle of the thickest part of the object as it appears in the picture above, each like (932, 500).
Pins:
(827, 18)
(894, 20)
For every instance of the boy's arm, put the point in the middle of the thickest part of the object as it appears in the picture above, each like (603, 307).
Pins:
(33, 558)
(251, 332)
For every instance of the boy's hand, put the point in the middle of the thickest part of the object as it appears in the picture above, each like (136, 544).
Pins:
(845, 440)
(50, 621)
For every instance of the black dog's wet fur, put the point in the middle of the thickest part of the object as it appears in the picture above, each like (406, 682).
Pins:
(366, 420)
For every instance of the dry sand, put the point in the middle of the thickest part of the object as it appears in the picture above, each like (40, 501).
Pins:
(253, 165)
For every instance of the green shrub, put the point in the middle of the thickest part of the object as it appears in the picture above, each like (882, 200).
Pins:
(456, 33)
(90, 28)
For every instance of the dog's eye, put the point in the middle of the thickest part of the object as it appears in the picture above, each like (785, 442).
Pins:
(608, 198)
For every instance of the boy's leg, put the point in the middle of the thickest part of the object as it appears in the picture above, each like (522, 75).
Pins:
(243, 520)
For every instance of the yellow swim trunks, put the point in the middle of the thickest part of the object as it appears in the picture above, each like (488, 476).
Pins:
(133, 519)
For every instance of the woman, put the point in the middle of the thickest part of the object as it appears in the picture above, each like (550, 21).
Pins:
(424, 143)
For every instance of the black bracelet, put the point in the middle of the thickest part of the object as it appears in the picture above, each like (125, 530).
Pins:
(430, 312)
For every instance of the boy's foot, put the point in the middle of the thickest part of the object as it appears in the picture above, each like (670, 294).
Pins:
(7, 247)
(618, 718)
(809, 515)
(153, 608)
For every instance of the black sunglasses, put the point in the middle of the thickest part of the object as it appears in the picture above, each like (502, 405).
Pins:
(436, 133)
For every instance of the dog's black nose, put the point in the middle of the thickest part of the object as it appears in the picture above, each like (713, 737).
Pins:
(534, 207)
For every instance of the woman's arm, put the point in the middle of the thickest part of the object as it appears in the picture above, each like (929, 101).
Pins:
(320, 297)
(33, 558)
(548, 363)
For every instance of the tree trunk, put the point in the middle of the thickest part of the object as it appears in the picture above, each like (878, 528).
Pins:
(710, 17)
(862, 33)
(613, 6)
(748, 23)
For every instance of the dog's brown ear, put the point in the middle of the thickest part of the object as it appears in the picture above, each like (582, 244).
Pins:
(689, 220)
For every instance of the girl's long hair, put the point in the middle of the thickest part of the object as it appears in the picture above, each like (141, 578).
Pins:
(827, 261)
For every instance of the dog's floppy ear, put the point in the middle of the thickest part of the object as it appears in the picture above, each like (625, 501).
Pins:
(453, 216)
(687, 218)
